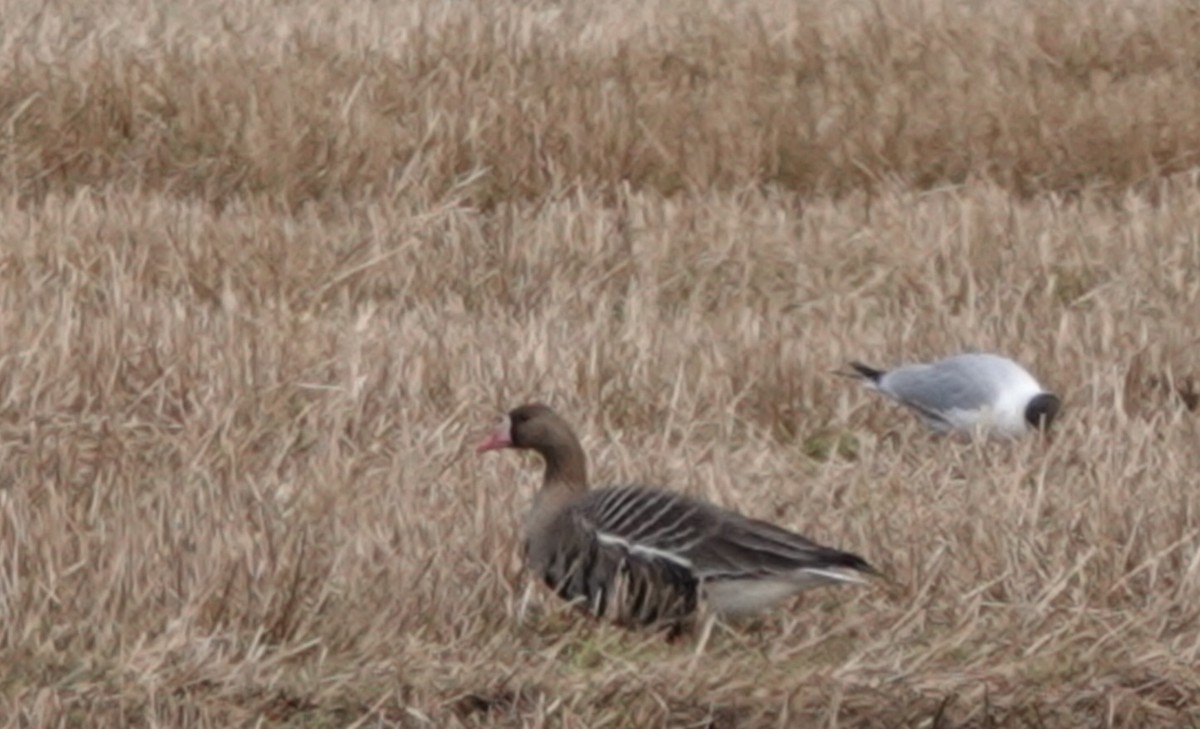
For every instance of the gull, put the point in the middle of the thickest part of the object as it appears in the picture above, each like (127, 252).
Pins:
(968, 393)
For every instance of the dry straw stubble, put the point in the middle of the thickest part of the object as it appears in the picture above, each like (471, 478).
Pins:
(266, 268)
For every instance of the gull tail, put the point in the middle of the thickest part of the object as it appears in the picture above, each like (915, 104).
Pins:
(866, 372)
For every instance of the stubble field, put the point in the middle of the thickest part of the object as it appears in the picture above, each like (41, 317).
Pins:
(267, 269)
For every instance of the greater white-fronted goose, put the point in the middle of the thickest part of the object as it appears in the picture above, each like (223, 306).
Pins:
(968, 393)
(644, 557)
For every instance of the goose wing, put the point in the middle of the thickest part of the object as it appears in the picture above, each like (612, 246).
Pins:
(614, 568)
(709, 542)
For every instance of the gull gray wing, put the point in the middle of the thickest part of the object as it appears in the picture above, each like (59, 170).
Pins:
(940, 388)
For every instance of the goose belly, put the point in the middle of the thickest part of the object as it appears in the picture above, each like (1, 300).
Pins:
(734, 597)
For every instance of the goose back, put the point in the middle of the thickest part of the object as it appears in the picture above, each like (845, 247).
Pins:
(645, 556)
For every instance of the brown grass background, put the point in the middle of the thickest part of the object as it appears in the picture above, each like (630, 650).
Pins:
(267, 268)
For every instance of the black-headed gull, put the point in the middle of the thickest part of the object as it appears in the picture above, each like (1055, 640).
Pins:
(968, 392)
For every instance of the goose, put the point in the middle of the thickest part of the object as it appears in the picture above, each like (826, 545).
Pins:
(645, 557)
(968, 392)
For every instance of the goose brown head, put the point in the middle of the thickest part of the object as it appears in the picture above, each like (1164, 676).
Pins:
(536, 427)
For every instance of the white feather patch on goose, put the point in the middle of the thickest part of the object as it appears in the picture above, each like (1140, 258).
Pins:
(641, 549)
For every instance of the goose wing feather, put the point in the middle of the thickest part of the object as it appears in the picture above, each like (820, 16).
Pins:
(709, 541)
(615, 583)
